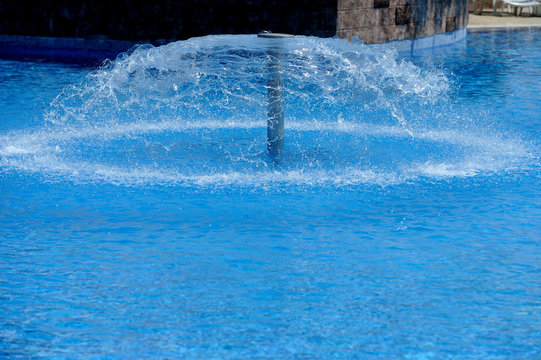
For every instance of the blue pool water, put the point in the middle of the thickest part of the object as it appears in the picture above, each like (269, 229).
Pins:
(141, 217)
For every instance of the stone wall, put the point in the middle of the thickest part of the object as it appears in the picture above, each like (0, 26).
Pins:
(377, 21)
(160, 21)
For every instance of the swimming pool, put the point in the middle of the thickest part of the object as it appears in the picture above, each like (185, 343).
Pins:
(141, 216)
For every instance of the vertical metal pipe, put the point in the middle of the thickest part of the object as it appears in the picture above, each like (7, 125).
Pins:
(275, 88)
(275, 112)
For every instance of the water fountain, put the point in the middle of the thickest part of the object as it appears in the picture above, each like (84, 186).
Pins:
(275, 121)
(141, 215)
(192, 112)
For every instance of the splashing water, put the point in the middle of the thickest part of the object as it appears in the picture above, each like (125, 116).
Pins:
(401, 223)
(193, 113)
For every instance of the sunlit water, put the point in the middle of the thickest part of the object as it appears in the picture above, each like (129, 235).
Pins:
(141, 215)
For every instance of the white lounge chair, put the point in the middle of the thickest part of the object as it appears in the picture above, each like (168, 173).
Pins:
(517, 3)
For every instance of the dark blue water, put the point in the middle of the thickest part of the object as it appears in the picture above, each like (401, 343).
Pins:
(140, 216)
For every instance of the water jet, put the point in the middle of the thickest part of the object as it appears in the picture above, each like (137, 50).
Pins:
(275, 85)
(140, 215)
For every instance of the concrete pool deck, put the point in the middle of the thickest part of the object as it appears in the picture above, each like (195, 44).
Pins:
(487, 20)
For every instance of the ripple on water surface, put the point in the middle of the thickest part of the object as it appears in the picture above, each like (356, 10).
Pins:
(401, 222)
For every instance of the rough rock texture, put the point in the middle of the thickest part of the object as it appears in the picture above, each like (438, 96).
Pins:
(166, 20)
(376, 21)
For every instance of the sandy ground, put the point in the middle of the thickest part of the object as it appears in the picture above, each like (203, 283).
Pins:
(487, 20)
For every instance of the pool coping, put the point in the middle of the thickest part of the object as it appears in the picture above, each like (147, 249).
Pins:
(504, 28)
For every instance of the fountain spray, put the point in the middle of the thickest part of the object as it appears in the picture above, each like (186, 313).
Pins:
(275, 86)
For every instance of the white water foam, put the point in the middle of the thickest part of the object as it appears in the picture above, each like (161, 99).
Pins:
(40, 152)
(193, 113)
